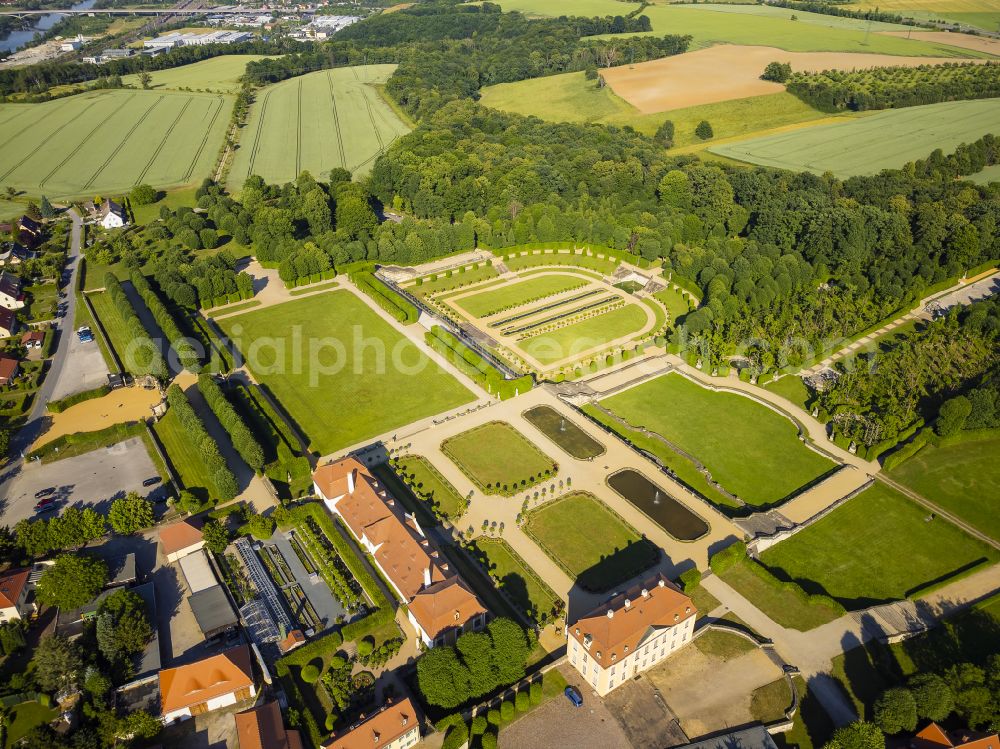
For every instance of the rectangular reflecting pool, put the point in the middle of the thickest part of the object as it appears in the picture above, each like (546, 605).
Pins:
(564, 432)
(675, 518)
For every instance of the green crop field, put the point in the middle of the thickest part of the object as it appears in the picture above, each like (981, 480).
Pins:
(749, 449)
(316, 122)
(11, 209)
(754, 24)
(590, 542)
(108, 141)
(518, 293)
(570, 97)
(218, 75)
(586, 335)
(497, 458)
(854, 553)
(340, 371)
(885, 140)
(961, 477)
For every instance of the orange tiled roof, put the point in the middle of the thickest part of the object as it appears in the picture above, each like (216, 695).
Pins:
(933, 736)
(8, 366)
(177, 536)
(206, 679)
(33, 335)
(664, 605)
(380, 729)
(295, 639)
(262, 727)
(444, 606)
(11, 585)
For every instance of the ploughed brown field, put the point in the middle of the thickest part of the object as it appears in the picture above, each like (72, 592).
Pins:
(965, 41)
(731, 71)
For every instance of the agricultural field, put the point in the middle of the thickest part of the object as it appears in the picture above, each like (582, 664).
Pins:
(11, 209)
(867, 145)
(770, 465)
(498, 459)
(961, 477)
(549, 317)
(755, 24)
(564, 528)
(218, 75)
(108, 141)
(316, 122)
(307, 354)
(982, 44)
(853, 554)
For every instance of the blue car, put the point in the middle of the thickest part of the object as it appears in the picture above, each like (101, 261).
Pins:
(574, 696)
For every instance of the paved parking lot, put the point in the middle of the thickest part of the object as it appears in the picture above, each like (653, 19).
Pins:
(84, 367)
(95, 478)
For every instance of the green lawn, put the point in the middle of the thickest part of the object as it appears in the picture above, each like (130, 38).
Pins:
(111, 321)
(340, 371)
(675, 302)
(792, 388)
(769, 702)
(986, 176)
(11, 209)
(748, 448)
(963, 478)
(885, 140)
(723, 645)
(534, 259)
(853, 554)
(498, 458)
(429, 485)
(219, 75)
(517, 579)
(42, 301)
(184, 457)
(24, 717)
(518, 293)
(590, 542)
(458, 278)
(586, 335)
(172, 199)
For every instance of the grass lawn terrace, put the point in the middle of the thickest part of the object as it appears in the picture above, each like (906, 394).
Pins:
(748, 448)
(854, 553)
(498, 458)
(518, 293)
(427, 483)
(339, 370)
(586, 335)
(566, 529)
(517, 579)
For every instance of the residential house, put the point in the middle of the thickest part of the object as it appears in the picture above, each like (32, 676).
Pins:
(262, 727)
(14, 253)
(180, 539)
(9, 369)
(209, 684)
(394, 726)
(11, 294)
(29, 232)
(631, 633)
(15, 599)
(112, 215)
(8, 322)
(440, 605)
(33, 339)
(934, 736)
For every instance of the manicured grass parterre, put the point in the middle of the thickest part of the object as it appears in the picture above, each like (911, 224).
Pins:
(749, 449)
(961, 477)
(218, 74)
(498, 459)
(513, 575)
(589, 334)
(675, 302)
(792, 388)
(460, 277)
(592, 543)
(338, 390)
(111, 321)
(867, 145)
(184, 457)
(427, 483)
(107, 141)
(878, 546)
(513, 295)
(316, 122)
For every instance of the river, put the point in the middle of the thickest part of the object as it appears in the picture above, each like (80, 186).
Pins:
(17, 39)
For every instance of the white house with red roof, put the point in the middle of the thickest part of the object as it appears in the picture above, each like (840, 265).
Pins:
(14, 589)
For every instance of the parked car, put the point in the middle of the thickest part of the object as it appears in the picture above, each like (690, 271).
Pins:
(574, 696)
(44, 492)
(151, 480)
(46, 505)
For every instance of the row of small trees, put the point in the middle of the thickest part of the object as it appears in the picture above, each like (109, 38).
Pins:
(223, 478)
(243, 438)
(142, 356)
(181, 344)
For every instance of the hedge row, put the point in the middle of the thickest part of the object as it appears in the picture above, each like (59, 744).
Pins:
(58, 406)
(475, 366)
(623, 256)
(243, 439)
(222, 477)
(392, 302)
(143, 356)
(186, 353)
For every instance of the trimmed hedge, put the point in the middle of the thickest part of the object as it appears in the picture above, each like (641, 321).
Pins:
(181, 344)
(243, 439)
(154, 365)
(475, 366)
(392, 302)
(222, 477)
(58, 406)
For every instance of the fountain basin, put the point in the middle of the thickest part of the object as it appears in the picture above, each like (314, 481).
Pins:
(564, 432)
(667, 512)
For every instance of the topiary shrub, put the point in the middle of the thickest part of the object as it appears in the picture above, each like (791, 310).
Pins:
(521, 702)
(366, 646)
(506, 711)
(331, 721)
(493, 717)
(309, 673)
(489, 741)
(535, 693)
(479, 725)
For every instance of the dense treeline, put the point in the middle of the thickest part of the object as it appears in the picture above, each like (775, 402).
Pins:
(142, 355)
(890, 88)
(208, 449)
(70, 529)
(243, 439)
(911, 376)
(182, 346)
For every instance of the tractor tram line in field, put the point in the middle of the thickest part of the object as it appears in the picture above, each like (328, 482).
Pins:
(114, 152)
(166, 136)
(336, 120)
(44, 141)
(260, 127)
(201, 147)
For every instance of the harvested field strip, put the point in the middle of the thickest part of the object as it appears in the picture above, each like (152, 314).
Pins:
(83, 142)
(128, 135)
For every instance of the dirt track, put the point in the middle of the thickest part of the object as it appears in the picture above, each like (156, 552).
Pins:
(730, 71)
(965, 41)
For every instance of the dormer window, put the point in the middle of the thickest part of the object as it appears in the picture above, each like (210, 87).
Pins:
(614, 657)
(406, 719)
(687, 609)
(676, 617)
(598, 655)
(626, 648)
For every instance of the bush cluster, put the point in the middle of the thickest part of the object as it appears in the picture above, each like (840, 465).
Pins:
(384, 297)
(183, 348)
(475, 366)
(222, 477)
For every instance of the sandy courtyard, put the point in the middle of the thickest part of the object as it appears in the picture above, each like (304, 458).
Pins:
(730, 71)
(117, 407)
